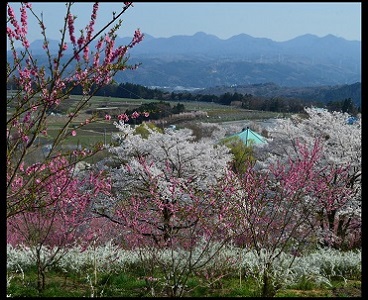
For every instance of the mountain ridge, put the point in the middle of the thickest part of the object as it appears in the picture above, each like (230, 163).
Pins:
(203, 60)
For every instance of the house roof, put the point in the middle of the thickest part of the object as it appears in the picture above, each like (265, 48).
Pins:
(248, 135)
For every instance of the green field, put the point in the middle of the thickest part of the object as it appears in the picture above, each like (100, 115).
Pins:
(101, 131)
(216, 113)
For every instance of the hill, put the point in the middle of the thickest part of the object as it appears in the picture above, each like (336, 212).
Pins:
(323, 94)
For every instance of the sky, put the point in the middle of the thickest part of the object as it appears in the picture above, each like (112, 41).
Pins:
(278, 21)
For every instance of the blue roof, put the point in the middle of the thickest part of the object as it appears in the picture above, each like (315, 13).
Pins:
(351, 120)
(248, 135)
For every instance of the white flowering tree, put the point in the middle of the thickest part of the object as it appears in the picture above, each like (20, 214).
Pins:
(341, 144)
(169, 197)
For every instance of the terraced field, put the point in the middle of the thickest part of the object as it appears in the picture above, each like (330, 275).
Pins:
(102, 130)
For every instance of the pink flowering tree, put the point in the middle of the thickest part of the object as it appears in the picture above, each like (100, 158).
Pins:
(60, 217)
(42, 88)
(340, 225)
(48, 201)
(283, 209)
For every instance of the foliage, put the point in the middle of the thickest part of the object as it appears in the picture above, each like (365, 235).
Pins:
(243, 155)
(345, 106)
(156, 110)
(253, 96)
(143, 132)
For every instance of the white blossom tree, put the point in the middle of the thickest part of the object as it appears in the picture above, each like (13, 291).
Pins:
(168, 194)
(173, 154)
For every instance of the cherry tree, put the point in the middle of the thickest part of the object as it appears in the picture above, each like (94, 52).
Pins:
(341, 143)
(169, 196)
(174, 154)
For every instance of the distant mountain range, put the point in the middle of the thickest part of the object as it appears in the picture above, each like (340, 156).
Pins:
(203, 61)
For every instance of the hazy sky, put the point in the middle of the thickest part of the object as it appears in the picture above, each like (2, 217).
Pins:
(279, 21)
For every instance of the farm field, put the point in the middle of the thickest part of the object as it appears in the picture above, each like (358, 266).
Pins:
(101, 131)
